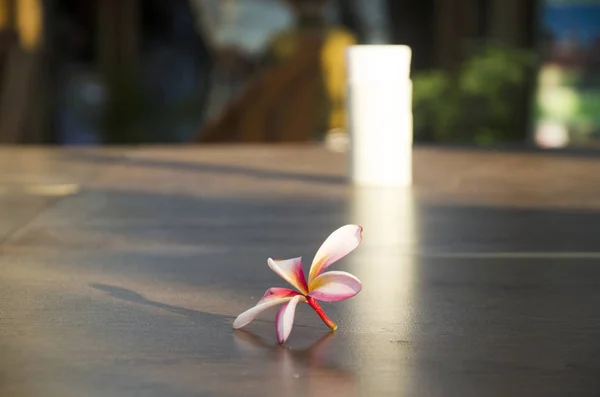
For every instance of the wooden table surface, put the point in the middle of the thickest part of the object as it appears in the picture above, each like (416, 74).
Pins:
(122, 270)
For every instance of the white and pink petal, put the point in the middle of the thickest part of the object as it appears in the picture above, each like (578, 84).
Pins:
(339, 244)
(271, 298)
(335, 286)
(277, 293)
(291, 271)
(285, 318)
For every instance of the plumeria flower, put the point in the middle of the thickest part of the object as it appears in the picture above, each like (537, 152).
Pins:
(333, 286)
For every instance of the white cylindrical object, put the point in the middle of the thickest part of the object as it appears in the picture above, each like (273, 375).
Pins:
(380, 115)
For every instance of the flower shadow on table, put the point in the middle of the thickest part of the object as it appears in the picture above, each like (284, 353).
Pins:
(199, 317)
(128, 295)
(306, 369)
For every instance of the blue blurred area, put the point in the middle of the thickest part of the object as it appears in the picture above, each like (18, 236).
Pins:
(567, 20)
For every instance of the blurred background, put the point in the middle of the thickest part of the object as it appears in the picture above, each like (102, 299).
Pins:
(102, 72)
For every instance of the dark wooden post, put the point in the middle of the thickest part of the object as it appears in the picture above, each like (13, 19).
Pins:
(21, 85)
(509, 22)
(456, 21)
(118, 35)
(107, 35)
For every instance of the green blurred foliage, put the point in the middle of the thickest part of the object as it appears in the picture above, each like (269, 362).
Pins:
(481, 103)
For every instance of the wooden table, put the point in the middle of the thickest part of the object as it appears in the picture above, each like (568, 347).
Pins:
(123, 269)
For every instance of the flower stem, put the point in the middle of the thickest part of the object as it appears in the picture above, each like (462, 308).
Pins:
(313, 303)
